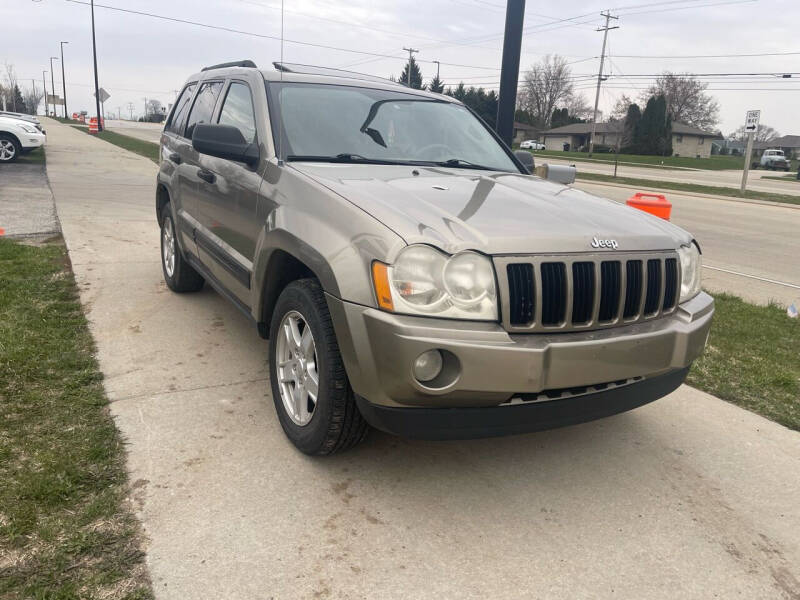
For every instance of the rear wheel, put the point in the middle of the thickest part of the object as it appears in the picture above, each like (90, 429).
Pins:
(178, 274)
(313, 398)
(9, 148)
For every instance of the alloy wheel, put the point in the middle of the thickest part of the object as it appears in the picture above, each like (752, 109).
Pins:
(298, 378)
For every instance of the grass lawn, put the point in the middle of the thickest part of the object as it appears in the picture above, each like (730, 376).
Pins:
(690, 187)
(753, 360)
(32, 158)
(141, 147)
(66, 528)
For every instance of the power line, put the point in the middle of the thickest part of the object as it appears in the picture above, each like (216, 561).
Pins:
(260, 35)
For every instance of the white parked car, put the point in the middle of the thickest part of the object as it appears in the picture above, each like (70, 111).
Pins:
(18, 137)
(532, 145)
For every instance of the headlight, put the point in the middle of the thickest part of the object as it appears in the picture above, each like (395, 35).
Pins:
(691, 267)
(28, 128)
(424, 281)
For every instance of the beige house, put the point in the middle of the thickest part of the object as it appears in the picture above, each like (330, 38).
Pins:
(686, 140)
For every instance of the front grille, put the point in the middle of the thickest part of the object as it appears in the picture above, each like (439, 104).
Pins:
(591, 291)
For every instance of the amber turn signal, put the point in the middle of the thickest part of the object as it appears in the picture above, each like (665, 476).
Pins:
(380, 279)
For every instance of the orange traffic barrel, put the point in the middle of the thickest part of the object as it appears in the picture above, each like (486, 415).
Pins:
(655, 204)
(93, 125)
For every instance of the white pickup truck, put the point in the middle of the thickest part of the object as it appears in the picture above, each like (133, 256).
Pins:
(774, 159)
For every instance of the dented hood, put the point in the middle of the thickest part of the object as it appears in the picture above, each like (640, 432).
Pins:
(493, 212)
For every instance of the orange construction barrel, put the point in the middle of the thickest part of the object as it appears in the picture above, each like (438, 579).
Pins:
(655, 204)
(93, 125)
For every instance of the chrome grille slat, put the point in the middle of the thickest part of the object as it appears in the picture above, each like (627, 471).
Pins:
(578, 292)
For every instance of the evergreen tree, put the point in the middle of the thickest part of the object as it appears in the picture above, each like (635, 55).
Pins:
(630, 127)
(436, 86)
(653, 136)
(416, 75)
(18, 101)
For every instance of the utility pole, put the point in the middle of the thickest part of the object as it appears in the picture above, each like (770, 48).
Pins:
(63, 78)
(44, 89)
(145, 109)
(411, 52)
(509, 75)
(96, 82)
(53, 83)
(130, 108)
(605, 31)
(437, 69)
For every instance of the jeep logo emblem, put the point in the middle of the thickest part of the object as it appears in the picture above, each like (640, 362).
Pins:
(596, 243)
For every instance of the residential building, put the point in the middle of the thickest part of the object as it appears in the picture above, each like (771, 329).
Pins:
(686, 140)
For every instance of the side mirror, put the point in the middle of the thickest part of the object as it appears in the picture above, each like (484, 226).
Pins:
(224, 141)
(526, 158)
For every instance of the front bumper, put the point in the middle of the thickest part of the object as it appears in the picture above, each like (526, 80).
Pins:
(493, 366)
(31, 141)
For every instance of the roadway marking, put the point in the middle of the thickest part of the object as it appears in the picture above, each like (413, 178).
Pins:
(791, 285)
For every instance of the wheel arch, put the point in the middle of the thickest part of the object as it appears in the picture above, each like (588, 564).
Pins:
(14, 138)
(162, 198)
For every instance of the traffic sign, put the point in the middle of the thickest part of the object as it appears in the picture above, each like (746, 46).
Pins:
(751, 122)
(104, 95)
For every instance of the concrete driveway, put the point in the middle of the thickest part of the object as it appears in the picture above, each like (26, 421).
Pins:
(689, 497)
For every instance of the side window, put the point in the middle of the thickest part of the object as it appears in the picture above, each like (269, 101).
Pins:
(203, 106)
(178, 116)
(238, 110)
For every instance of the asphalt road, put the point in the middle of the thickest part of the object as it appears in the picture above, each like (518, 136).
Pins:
(149, 132)
(721, 178)
(743, 244)
(689, 497)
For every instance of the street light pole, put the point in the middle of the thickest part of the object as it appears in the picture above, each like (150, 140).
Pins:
(96, 82)
(53, 83)
(44, 89)
(63, 78)
(411, 52)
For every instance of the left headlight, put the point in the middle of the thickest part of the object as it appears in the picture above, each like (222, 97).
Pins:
(425, 281)
(29, 128)
(691, 271)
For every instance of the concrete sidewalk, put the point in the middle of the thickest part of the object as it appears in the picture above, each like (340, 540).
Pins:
(27, 209)
(689, 497)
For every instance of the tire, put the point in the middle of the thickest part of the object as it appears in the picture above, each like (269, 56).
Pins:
(10, 148)
(332, 422)
(181, 277)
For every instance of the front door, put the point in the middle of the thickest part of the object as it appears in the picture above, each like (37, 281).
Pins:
(228, 200)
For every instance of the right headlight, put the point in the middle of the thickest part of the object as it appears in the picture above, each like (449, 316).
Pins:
(691, 271)
(425, 281)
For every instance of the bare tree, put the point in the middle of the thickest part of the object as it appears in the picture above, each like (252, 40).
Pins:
(764, 133)
(154, 107)
(10, 86)
(547, 85)
(578, 106)
(32, 97)
(620, 110)
(687, 100)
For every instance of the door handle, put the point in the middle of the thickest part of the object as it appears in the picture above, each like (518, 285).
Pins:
(176, 158)
(206, 175)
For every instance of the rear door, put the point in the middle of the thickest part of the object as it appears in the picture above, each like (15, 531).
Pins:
(228, 198)
(174, 152)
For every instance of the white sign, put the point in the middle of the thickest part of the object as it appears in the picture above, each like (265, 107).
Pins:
(104, 95)
(751, 123)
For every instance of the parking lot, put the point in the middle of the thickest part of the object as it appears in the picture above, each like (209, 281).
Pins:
(688, 497)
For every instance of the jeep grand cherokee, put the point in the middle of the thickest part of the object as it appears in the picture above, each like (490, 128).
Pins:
(407, 270)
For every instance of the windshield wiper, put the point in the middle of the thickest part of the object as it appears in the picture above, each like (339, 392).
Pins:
(460, 162)
(344, 157)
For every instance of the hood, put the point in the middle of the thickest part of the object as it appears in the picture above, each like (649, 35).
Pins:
(492, 212)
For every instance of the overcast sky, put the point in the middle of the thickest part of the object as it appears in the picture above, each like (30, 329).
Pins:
(140, 56)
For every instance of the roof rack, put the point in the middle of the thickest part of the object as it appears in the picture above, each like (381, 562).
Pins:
(329, 72)
(237, 63)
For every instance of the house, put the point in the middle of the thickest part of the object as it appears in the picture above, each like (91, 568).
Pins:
(524, 131)
(790, 144)
(686, 140)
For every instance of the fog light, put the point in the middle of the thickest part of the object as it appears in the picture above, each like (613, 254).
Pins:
(428, 365)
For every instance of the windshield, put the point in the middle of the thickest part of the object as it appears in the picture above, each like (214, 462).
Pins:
(354, 124)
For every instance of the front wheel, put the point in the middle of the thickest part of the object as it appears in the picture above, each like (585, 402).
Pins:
(313, 398)
(9, 148)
